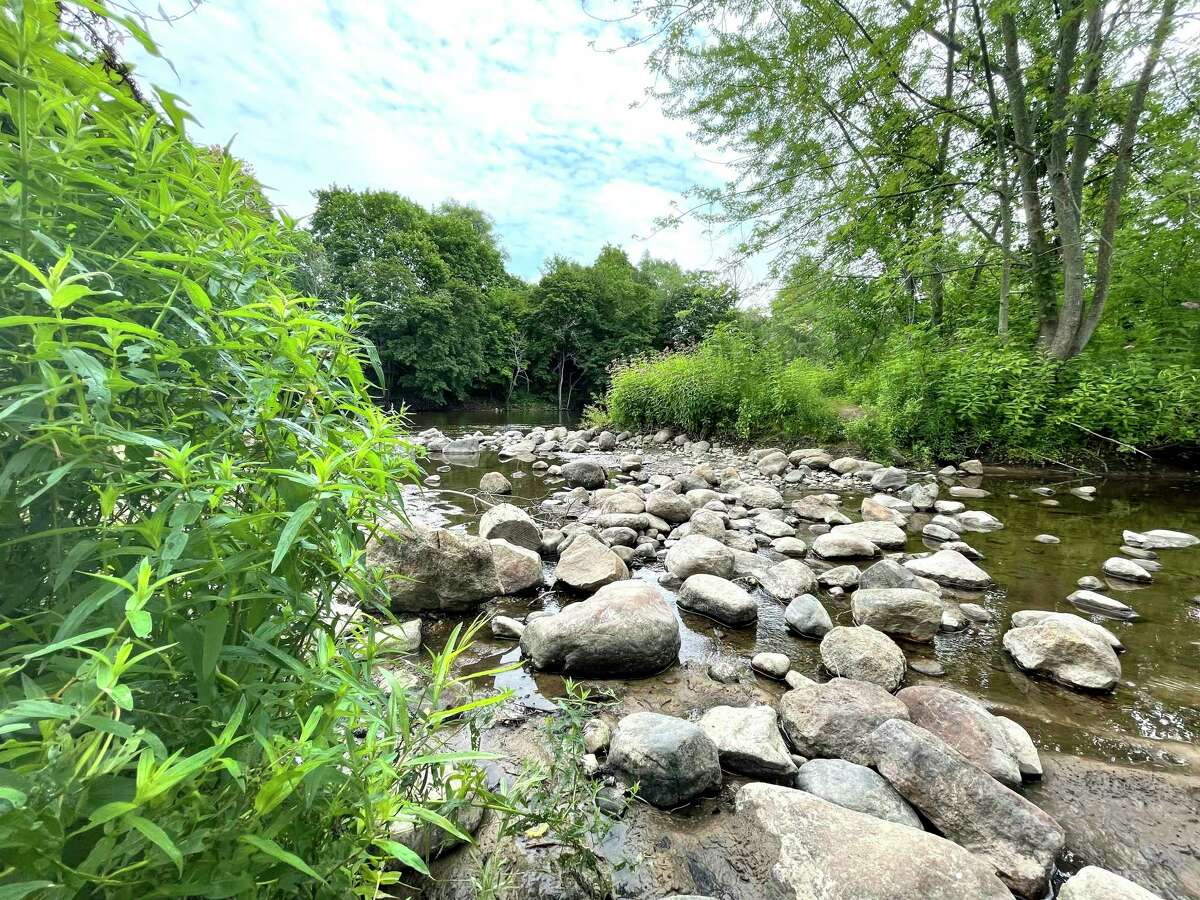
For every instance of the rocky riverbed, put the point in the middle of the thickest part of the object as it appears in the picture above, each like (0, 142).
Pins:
(835, 677)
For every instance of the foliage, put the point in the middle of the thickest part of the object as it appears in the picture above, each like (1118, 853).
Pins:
(190, 468)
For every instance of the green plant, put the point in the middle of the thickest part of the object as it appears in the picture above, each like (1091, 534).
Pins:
(191, 466)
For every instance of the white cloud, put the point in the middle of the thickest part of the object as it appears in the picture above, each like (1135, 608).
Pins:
(505, 105)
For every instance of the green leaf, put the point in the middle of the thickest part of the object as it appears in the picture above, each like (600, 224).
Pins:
(110, 811)
(405, 854)
(23, 889)
(292, 528)
(140, 622)
(160, 839)
(272, 849)
(68, 642)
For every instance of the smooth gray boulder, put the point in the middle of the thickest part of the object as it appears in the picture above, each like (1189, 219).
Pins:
(844, 577)
(718, 598)
(518, 569)
(435, 570)
(495, 483)
(887, 573)
(807, 617)
(951, 568)
(789, 579)
(756, 495)
(1025, 617)
(1126, 570)
(1094, 883)
(699, 555)
(773, 665)
(846, 545)
(828, 852)
(671, 760)
(772, 527)
(966, 725)
(978, 520)
(626, 628)
(510, 523)
(588, 564)
(915, 615)
(1100, 604)
(889, 479)
(791, 547)
(884, 535)
(1066, 654)
(669, 506)
(836, 718)
(584, 473)
(748, 740)
(863, 653)
(858, 788)
(1161, 539)
(968, 806)
(774, 463)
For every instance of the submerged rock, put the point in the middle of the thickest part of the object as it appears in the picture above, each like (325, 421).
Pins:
(671, 760)
(1066, 654)
(1025, 617)
(1091, 601)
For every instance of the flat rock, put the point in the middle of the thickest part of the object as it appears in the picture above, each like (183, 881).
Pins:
(1091, 601)
(790, 547)
(863, 653)
(968, 806)
(773, 665)
(1025, 617)
(1066, 654)
(912, 614)
(845, 577)
(718, 598)
(671, 760)
(884, 535)
(887, 573)
(588, 564)
(856, 787)
(811, 838)
(789, 579)
(1126, 570)
(951, 568)
(1161, 539)
(844, 546)
(626, 628)
(748, 741)
(835, 719)
(699, 555)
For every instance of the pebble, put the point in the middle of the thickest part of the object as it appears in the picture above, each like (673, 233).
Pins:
(773, 665)
(1047, 539)
(927, 667)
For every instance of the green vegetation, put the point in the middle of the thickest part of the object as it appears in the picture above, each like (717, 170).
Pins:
(452, 325)
(982, 217)
(190, 467)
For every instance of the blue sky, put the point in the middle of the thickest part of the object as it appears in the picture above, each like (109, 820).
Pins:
(500, 103)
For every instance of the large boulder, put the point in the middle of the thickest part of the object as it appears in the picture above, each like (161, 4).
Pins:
(510, 523)
(915, 615)
(584, 473)
(1066, 654)
(588, 564)
(889, 479)
(789, 579)
(846, 545)
(668, 505)
(758, 495)
(828, 852)
(627, 628)
(858, 788)
(435, 570)
(718, 598)
(951, 568)
(671, 760)
(807, 617)
(1025, 617)
(968, 806)
(863, 653)
(887, 573)
(1160, 539)
(966, 725)
(835, 719)
(748, 740)
(884, 535)
(1094, 883)
(699, 555)
(774, 462)
(517, 568)
(1126, 570)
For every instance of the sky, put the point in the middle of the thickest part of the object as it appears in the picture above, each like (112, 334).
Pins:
(512, 105)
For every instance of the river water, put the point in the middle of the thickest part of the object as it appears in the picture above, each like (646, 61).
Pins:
(1151, 720)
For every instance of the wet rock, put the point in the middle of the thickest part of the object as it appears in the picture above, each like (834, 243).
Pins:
(887, 573)
(1139, 553)
(952, 618)
(807, 617)
(495, 483)
(669, 506)
(951, 568)
(968, 493)
(915, 615)
(518, 569)
(718, 599)
(1026, 617)
(978, 520)
(856, 787)
(843, 546)
(949, 507)
(588, 564)
(773, 665)
(1161, 539)
(1094, 883)
(671, 760)
(584, 473)
(1047, 539)
(835, 719)
(789, 579)
(863, 653)
(968, 806)
(463, 446)
(436, 570)
(505, 627)
(1020, 744)
(748, 741)
(626, 628)
(1126, 570)
(1090, 583)
(930, 667)
(967, 726)
(936, 532)
(790, 546)
(845, 577)
(922, 495)
(1091, 601)
(975, 613)
(725, 671)
(1066, 654)
(889, 479)
(511, 523)
(699, 555)
(883, 535)
(810, 838)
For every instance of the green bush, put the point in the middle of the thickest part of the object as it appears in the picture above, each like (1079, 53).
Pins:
(190, 468)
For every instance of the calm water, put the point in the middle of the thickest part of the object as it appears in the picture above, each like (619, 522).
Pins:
(1152, 718)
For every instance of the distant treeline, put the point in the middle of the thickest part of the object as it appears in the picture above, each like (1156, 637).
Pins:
(452, 325)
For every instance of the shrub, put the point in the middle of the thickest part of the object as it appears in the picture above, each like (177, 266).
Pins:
(190, 468)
